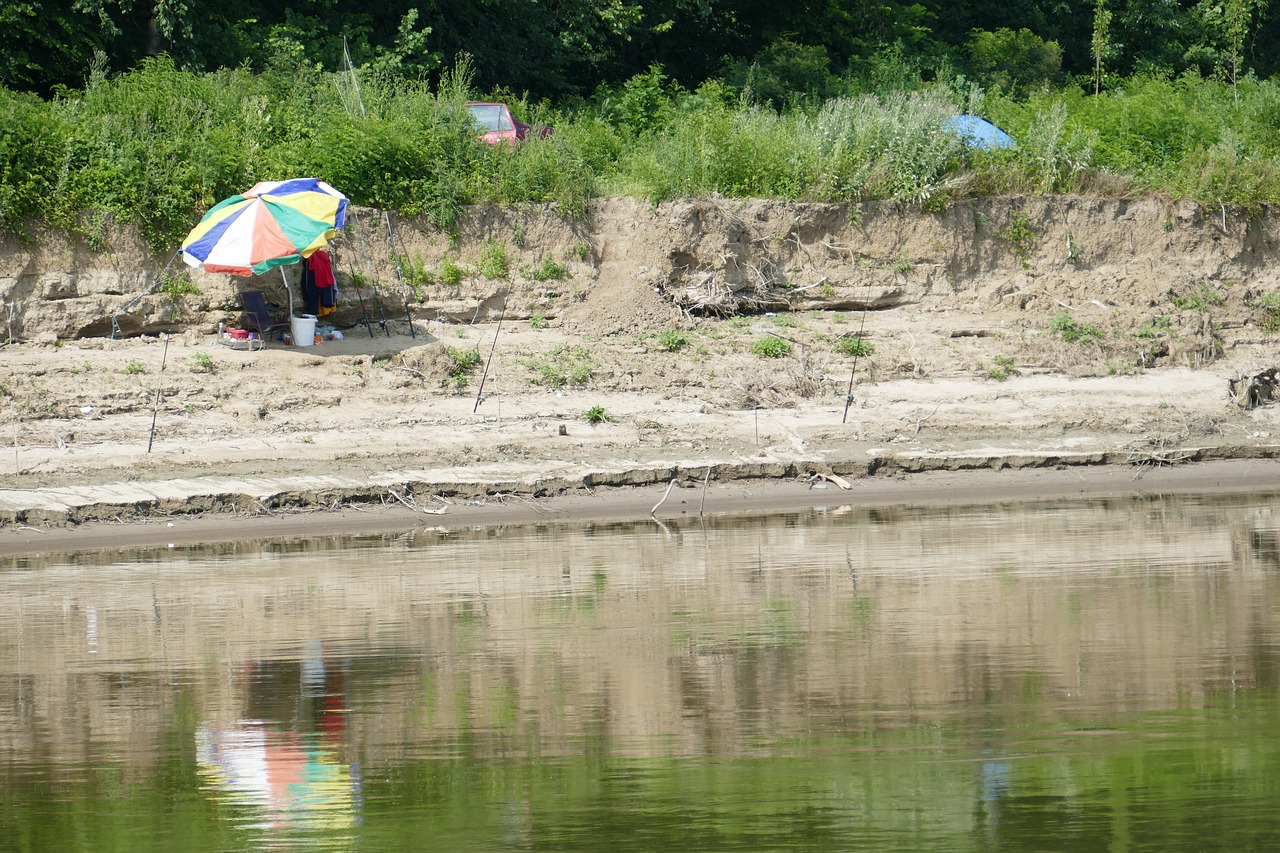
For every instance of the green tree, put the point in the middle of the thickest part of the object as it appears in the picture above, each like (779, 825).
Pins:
(1226, 27)
(1100, 47)
(42, 44)
(1013, 61)
(785, 74)
(1237, 25)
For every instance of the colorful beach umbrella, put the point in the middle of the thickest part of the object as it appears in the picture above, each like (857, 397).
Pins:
(274, 224)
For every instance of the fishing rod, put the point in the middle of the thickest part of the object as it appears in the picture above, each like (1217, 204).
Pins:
(159, 385)
(115, 318)
(364, 311)
(489, 360)
(404, 289)
(848, 397)
(355, 282)
(382, 306)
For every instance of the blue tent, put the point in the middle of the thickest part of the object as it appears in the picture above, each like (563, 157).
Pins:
(977, 132)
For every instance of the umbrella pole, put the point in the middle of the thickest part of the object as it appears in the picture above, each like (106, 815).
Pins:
(289, 290)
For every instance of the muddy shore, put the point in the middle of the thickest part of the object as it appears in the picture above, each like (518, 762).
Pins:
(673, 506)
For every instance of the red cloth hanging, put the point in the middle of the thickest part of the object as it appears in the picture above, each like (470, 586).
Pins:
(322, 268)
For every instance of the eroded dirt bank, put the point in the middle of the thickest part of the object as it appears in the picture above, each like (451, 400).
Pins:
(641, 343)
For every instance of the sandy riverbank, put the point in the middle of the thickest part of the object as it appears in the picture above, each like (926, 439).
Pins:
(670, 508)
(707, 343)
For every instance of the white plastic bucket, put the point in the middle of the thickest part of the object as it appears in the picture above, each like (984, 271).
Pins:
(303, 328)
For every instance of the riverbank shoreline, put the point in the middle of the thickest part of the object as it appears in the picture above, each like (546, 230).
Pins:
(680, 502)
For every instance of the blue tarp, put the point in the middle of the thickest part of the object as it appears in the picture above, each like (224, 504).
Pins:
(977, 132)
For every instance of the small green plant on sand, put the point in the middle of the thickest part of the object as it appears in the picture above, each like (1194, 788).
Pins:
(597, 415)
(560, 367)
(538, 321)
(1270, 306)
(202, 362)
(771, 346)
(492, 262)
(1071, 331)
(450, 272)
(1199, 299)
(133, 368)
(672, 340)
(1003, 368)
(464, 361)
(550, 270)
(855, 345)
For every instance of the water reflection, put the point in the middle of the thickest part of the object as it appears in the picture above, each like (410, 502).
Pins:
(288, 762)
(1088, 675)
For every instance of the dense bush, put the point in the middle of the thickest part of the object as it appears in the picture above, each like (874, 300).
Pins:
(158, 146)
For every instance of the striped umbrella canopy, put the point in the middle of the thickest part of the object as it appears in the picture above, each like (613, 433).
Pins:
(273, 224)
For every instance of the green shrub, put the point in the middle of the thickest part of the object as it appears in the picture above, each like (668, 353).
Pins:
(786, 74)
(1157, 327)
(855, 345)
(550, 270)
(451, 273)
(1003, 368)
(155, 146)
(771, 346)
(1199, 299)
(202, 362)
(176, 287)
(562, 366)
(1013, 60)
(1021, 236)
(1071, 331)
(890, 147)
(1270, 305)
(133, 368)
(539, 170)
(492, 262)
(672, 339)
(596, 415)
(412, 269)
(464, 361)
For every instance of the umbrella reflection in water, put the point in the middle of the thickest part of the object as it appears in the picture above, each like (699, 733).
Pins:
(291, 780)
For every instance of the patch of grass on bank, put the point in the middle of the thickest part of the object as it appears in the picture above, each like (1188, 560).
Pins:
(560, 367)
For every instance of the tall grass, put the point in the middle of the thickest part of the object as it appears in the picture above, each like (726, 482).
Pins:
(157, 146)
(887, 147)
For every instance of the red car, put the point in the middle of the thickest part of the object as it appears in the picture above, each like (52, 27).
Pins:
(500, 126)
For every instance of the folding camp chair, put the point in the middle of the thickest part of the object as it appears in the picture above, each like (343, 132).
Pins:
(258, 315)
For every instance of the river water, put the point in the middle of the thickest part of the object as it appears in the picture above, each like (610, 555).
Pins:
(1095, 675)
